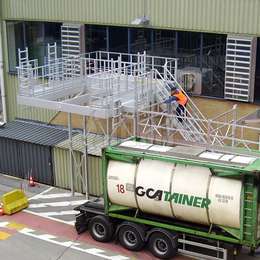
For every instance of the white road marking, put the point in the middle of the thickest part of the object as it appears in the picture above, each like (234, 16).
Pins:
(57, 204)
(71, 222)
(4, 224)
(58, 213)
(45, 191)
(71, 244)
(119, 257)
(45, 236)
(51, 218)
(54, 195)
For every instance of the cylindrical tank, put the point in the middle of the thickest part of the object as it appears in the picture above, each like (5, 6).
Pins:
(185, 192)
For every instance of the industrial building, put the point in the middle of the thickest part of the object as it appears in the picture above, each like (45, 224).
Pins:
(210, 48)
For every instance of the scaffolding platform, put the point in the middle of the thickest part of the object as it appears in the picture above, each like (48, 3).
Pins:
(92, 85)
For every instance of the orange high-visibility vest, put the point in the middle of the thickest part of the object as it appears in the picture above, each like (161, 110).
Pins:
(181, 98)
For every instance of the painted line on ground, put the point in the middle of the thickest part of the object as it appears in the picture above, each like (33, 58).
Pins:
(53, 239)
(61, 229)
(41, 193)
(73, 245)
(71, 223)
(4, 224)
(58, 213)
(55, 195)
(56, 204)
(4, 235)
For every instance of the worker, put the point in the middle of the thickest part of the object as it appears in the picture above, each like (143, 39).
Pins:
(178, 96)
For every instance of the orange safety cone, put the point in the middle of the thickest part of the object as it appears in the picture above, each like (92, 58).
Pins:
(1, 209)
(31, 182)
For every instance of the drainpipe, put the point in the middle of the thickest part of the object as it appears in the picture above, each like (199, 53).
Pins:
(2, 86)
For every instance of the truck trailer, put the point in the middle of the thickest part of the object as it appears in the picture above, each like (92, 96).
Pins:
(197, 200)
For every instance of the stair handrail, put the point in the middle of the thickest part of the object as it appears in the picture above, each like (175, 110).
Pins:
(198, 129)
(195, 110)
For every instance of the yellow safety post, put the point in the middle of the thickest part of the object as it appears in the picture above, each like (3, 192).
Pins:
(14, 201)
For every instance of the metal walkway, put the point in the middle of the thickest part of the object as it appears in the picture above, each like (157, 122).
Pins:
(118, 86)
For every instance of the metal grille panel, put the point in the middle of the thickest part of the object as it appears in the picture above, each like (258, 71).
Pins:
(70, 46)
(240, 68)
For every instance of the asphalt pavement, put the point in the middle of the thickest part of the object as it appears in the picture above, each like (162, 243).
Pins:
(45, 229)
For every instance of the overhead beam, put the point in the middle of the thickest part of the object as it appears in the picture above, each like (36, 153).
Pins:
(65, 107)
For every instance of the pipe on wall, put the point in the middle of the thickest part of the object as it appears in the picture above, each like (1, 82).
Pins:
(2, 86)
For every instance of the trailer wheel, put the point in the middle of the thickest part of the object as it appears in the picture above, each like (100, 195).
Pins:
(81, 223)
(101, 229)
(130, 237)
(162, 245)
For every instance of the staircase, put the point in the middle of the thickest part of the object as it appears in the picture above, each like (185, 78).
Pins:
(194, 127)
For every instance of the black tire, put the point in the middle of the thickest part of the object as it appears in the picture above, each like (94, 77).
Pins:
(130, 237)
(81, 223)
(101, 229)
(162, 246)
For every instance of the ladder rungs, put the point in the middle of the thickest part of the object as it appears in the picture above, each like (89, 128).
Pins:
(247, 225)
(247, 233)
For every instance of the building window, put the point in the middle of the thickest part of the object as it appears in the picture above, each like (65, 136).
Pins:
(35, 36)
(16, 40)
(118, 39)
(140, 40)
(96, 38)
(202, 63)
(163, 43)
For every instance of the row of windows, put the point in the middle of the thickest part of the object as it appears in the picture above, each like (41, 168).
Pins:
(197, 52)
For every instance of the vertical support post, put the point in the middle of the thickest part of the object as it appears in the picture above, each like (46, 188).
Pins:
(201, 51)
(119, 66)
(144, 62)
(108, 130)
(138, 63)
(71, 156)
(209, 132)
(135, 123)
(2, 86)
(234, 121)
(164, 71)
(85, 136)
(82, 42)
(176, 68)
(107, 39)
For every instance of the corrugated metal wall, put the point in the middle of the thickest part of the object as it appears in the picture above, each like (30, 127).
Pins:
(36, 160)
(92, 11)
(22, 159)
(223, 16)
(61, 168)
(95, 175)
(9, 159)
(62, 171)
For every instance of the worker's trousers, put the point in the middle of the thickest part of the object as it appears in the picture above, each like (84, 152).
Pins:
(180, 112)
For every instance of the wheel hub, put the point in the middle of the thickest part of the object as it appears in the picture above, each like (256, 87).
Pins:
(130, 238)
(161, 246)
(99, 230)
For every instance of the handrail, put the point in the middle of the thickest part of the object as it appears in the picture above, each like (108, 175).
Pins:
(190, 104)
